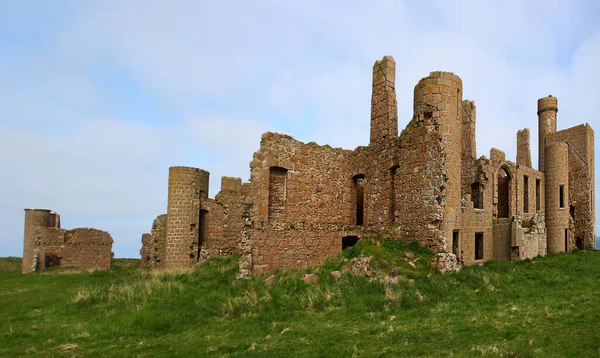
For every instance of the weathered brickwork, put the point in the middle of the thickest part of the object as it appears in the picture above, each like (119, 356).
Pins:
(154, 244)
(46, 244)
(305, 201)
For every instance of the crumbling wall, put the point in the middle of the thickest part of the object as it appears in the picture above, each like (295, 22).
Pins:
(534, 237)
(222, 219)
(87, 248)
(146, 251)
(314, 204)
(45, 242)
(154, 244)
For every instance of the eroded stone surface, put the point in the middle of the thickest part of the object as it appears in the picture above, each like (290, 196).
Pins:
(306, 201)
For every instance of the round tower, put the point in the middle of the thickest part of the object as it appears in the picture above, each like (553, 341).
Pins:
(187, 188)
(34, 218)
(547, 110)
(438, 99)
(557, 200)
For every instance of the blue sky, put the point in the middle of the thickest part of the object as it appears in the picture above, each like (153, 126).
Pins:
(99, 98)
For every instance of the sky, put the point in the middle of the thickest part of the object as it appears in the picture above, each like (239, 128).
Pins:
(99, 98)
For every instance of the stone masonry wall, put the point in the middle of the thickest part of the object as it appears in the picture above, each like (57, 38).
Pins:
(580, 144)
(316, 206)
(81, 248)
(87, 249)
(439, 96)
(557, 217)
(146, 251)
(523, 148)
(223, 221)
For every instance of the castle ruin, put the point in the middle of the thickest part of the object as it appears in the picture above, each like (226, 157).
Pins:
(305, 201)
(46, 245)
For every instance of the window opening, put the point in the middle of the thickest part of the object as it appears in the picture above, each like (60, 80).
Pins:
(479, 246)
(525, 194)
(561, 194)
(392, 213)
(476, 196)
(277, 193)
(359, 185)
(503, 193)
(538, 206)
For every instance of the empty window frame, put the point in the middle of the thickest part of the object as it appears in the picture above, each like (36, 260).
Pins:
(277, 193)
(359, 187)
(525, 194)
(538, 200)
(503, 193)
(477, 196)
(479, 246)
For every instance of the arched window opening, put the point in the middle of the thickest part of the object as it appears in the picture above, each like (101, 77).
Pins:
(503, 193)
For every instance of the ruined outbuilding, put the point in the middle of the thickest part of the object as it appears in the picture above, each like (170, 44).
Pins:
(306, 201)
(47, 245)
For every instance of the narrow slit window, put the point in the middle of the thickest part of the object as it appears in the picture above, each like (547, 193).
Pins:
(561, 196)
(359, 186)
(525, 194)
(392, 213)
(538, 205)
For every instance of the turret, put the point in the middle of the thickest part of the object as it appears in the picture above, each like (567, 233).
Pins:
(557, 191)
(187, 188)
(35, 219)
(547, 109)
(438, 98)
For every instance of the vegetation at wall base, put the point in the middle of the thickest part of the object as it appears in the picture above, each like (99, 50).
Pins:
(547, 306)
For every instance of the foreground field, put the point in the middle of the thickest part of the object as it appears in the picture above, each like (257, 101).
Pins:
(544, 307)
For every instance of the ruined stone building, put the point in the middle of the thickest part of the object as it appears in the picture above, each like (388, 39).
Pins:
(306, 201)
(45, 244)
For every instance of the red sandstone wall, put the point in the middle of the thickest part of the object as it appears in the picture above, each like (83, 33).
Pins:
(317, 206)
(224, 219)
(580, 143)
(87, 249)
(146, 251)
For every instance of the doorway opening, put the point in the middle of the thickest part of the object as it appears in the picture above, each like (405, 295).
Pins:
(51, 260)
(349, 241)
(455, 234)
(479, 246)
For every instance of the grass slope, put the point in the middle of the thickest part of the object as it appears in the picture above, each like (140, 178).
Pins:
(543, 307)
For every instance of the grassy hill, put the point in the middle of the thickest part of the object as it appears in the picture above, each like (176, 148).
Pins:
(542, 307)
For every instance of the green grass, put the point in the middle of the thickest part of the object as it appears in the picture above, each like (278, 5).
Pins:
(542, 307)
